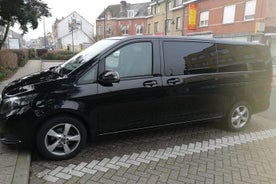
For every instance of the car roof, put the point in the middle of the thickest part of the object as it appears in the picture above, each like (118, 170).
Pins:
(187, 38)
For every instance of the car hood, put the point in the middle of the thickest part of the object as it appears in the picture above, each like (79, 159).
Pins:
(29, 83)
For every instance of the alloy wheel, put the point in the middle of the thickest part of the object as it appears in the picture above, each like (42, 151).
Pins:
(62, 139)
(240, 117)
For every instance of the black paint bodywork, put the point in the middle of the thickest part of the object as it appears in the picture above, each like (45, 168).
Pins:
(129, 105)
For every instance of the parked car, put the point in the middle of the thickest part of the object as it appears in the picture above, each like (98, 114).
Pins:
(130, 83)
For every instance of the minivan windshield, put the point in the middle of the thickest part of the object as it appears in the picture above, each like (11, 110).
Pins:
(85, 55)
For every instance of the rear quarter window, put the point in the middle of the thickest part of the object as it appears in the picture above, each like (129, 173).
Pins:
(232, 58)
(183, 58)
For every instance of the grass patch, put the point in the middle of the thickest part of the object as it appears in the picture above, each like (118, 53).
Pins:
(6, 73)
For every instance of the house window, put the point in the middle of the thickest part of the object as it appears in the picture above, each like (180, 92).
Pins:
(139, 30)
(130, 13)
(168, 5)
(125, 30)
(177, 3)
(149, 11)
(178, 23)
(250, 8)
(204, 19)
(148, 28)
(108, 30)
(156, 9)
(229, 14)
(156, 27)
(99, 31)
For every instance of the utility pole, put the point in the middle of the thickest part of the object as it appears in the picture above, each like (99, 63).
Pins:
(73, 48)
(166, 18)
(104, 25)
(72, 25)
(44, 29)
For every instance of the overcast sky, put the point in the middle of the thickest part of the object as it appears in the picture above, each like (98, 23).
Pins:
(89, 9)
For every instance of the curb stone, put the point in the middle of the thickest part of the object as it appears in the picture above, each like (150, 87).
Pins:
(22, 168)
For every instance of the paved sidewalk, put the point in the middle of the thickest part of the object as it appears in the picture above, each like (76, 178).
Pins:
(14, 163)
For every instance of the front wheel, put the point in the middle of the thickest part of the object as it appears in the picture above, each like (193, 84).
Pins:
(238, 116)
(61, 138)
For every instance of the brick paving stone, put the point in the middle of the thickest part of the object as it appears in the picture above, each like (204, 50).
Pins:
(50, 178)
(63, 176)
(249, 156)
(153, 179)
(119, 179)
(72, 180)
(107, 181)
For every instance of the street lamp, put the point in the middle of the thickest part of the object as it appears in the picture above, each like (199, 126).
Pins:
(73, 24)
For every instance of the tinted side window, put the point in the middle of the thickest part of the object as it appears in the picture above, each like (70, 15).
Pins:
(189, 58)
(131, 60)
(232, 58)
(89, 76)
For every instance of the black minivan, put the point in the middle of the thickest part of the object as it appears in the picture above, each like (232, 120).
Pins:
(129, 83)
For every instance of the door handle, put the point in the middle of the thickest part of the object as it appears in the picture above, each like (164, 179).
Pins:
(173, 81)
(150, 84)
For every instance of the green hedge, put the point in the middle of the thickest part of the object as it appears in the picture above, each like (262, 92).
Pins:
(6, 72)
(31, 53)
(41, 52)
(58, 55)
(23, 56)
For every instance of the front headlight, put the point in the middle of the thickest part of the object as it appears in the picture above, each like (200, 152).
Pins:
(14, 103)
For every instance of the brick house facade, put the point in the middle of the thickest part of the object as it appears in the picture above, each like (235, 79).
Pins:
(122, 19)
(244, 20)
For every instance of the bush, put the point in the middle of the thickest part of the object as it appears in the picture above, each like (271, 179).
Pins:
(31, 53)
(6, 72)
(8, 59)
(58, 55)
(22, 55)
(41, 52)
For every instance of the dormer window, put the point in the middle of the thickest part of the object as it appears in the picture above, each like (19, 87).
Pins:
(130, 13)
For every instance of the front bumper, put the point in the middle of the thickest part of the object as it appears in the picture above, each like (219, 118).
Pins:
(10, 139)
(17, 129)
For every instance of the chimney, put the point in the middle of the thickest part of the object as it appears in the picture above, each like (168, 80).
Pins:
(123, 6)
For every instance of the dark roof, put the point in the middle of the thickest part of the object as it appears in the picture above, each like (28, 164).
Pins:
(140, 10)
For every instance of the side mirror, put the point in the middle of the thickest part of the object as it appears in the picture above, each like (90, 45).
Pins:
(108, 77)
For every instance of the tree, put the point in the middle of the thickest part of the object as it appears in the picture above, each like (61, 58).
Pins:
(24, 12)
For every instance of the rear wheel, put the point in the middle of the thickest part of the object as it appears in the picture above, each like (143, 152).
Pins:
(61, 138)
(238, 116)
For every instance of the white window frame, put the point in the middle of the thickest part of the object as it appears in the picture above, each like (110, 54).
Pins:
(177, 3)
(156, 27)
(178, 25)
(250, 10)
(130, 13)
(204, 19)
(156, 9)
(229, 14)
(139, 30)
(125, 30)
(149, 10)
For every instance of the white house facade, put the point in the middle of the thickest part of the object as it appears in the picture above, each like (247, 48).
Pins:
(73, 30)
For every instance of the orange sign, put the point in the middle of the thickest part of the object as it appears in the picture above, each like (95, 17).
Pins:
(192, 17)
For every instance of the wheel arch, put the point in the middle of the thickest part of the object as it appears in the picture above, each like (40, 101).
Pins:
(69, 113)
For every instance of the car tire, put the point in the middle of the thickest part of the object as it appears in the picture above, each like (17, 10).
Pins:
(61, 138)
(239, 116)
